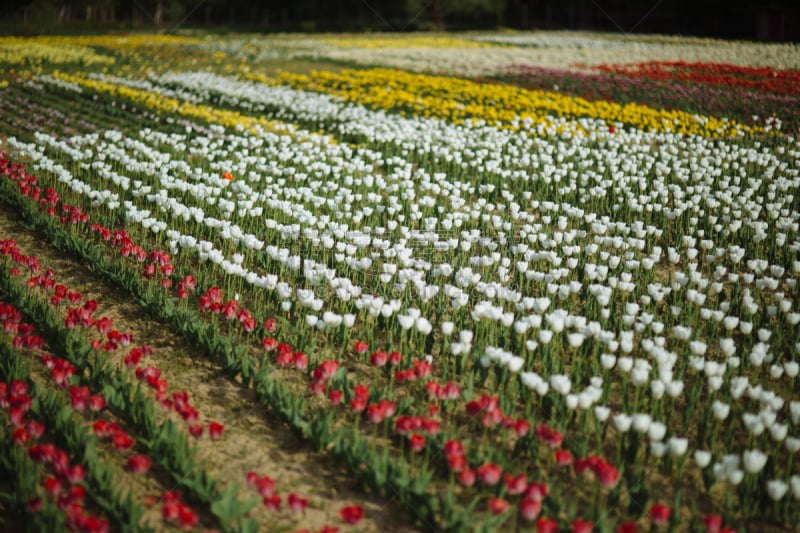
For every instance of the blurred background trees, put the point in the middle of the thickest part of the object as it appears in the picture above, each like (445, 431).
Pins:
(750, 19)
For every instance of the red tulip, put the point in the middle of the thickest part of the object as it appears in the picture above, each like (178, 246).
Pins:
(489, 473)
(626, 527)
(296, 503)
(550, 436)
(335, 396)
(76, 474)
(361, 347)
(352, 514)
(266, 486)
(497, 505)
(34, 428)
(546, 525)
(713, 523)
(215, 430)
(122, 441)
(537, 491)
(563, 457)
(138, 464)
(516, 484)
(269, 343)
(607, 474)
(188, 519)
(522, 427)
(20, 436)
(466, 477)
(35, 504)
(529, 509)
(659, 514)
(272, 502)
(453, 447)
(457, 463)
(582, 526)
(379, 359)
(196, 430)
(96, 402)
(417, 442)
(300, 361)
(52, 486)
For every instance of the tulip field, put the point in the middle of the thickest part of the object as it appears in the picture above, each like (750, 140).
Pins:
(510, 282)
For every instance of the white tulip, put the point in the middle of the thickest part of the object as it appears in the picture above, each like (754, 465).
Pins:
(754, 461)
(601, 412)
(776, 489)
(622, 422)
(702, 458)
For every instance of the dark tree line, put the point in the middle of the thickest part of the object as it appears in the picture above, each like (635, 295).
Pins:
(766, 19)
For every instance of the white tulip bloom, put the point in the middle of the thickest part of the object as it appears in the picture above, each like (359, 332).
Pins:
(702, 458)
(754, 461)
(776, 489)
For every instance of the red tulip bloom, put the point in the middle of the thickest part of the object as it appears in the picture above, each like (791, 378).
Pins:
(269, 343)
(417, 442)
(713, 523)
(138, 464)
(352, 514)
(626, 527)
(272, 502)
(395, 358)
(335, 396)
(379, 359)
(529, 509)
(122, 441)
(215, 430)
(104, 324)
(361, 347)
(300, 361)
(296, 503)
(607, 474)
(498, 505)
(563, 457)
(453, 447)
(516, 484)
(34, 428)
(582, 526)
(457, 463)
(466, 477)
(326, 369)
(546, 525)
(489, 473)
(52, 486)
(537, 491)
(76, 474)
(20, 436)
(35, 504)
(229, 309)
(196, 430)
(96, 402)
(171, 511)
(188, 519)
(521, 427)
(270, 325)
(252, 479)
(549, 435)
(265, 486)
(659, 514)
